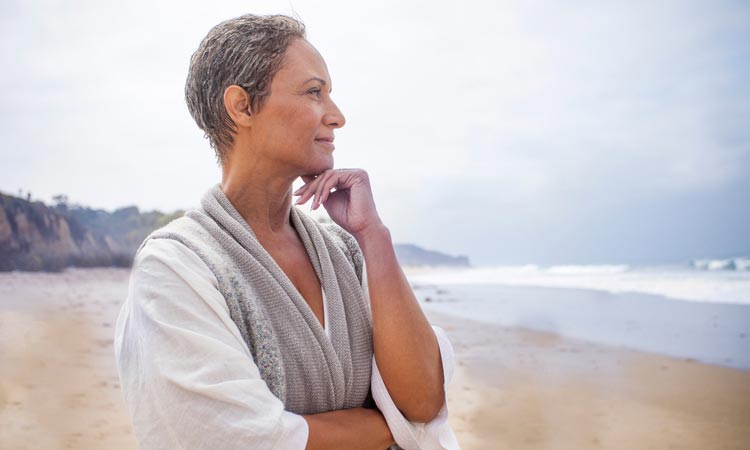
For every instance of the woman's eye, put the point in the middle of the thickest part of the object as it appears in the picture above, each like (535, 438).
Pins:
(315, 92)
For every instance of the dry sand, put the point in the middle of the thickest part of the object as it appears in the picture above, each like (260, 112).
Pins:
(58, 382)
(513, 389)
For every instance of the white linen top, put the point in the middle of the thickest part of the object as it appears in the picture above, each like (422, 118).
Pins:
(190, 382)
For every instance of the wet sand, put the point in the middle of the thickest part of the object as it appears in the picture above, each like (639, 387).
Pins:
(513, 388)
(712, 333)
(519, 389)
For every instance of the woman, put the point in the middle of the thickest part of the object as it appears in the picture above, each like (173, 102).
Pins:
(247, 323)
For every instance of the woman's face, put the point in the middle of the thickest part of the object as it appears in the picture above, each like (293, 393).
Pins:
(295, 125)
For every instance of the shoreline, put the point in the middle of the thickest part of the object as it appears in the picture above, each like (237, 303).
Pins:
(712, 333)
(544, 391)
(512, 387)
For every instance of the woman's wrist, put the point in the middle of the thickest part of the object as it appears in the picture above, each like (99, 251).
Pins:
(385, 432)
(372, 233)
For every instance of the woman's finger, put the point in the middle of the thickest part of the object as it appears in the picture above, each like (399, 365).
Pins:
(306, 196)
(324, 186)
(324, 197)
(306, 193)
(305, 187)
(309, 189)
(319, 187)
(336, 182)
(332, 183)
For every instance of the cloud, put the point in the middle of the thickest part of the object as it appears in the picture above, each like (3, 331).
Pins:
(535, 117)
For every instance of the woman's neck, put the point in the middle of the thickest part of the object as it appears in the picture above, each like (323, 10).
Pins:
(263, 198)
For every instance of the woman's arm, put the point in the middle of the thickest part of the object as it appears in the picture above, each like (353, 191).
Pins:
(345, 429)
(406, 349)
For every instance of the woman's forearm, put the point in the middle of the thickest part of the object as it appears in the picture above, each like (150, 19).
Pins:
(405, 345)
(360, 428)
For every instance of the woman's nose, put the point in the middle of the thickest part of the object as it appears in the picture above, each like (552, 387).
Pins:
(334, 118)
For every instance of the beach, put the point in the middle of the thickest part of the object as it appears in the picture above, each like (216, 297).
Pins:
(521, 389)
(513, 388)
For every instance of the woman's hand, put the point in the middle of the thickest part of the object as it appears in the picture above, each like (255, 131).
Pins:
(405, 346)
(351, 205)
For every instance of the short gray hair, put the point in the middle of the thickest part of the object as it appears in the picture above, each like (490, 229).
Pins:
(246, 51)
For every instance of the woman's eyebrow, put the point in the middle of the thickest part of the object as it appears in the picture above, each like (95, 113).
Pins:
(320, 80)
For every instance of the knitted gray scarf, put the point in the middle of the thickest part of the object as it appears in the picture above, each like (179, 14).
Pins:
(308, 371)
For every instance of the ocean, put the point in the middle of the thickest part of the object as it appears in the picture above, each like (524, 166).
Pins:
(695, 310)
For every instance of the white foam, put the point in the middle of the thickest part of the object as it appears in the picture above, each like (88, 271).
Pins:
(720, 286)
(583, 270)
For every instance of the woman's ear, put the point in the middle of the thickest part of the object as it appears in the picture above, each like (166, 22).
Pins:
(237, 104)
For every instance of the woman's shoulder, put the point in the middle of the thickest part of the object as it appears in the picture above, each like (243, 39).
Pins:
(181, 229)
(176, 248)
(163, 250)
(161, 258)
(182, 239)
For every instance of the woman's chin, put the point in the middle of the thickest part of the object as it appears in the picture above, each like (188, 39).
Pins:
(327, 163)
(319, 168)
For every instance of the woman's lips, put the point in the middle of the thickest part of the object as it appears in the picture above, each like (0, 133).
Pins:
(326, 142)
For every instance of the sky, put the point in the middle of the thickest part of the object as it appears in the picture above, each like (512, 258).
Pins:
(511, 132)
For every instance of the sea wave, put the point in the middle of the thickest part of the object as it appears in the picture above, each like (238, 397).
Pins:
(740, 264)
(677, 282)
(588, 269)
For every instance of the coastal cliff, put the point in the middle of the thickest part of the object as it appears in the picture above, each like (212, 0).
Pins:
(34, 236)
(38, 237)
